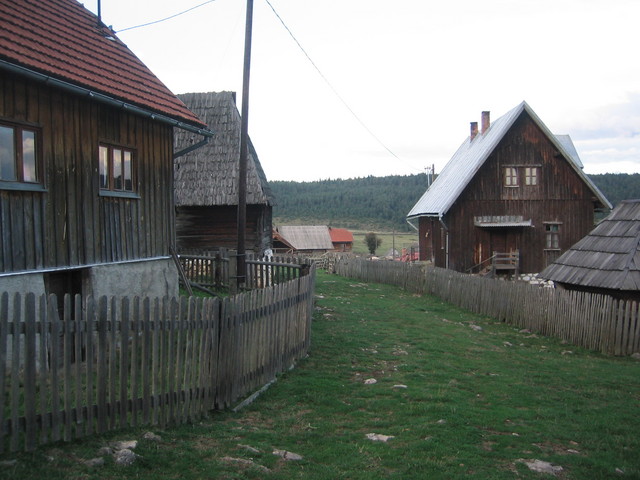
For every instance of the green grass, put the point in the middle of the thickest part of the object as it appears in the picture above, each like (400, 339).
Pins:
(476, 404)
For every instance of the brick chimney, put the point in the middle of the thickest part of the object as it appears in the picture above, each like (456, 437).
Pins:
(486, 122)
(474, 131)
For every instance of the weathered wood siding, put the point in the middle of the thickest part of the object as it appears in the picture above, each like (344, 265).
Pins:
(217, 227)
(560, 196)
(71, 224)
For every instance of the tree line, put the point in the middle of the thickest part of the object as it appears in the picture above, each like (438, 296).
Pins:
(376, 203)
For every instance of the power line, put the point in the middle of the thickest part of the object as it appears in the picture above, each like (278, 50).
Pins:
(167, 18)
(329, 83)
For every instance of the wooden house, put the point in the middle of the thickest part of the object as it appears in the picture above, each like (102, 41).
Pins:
(206, 182)
(308, 239)
(86, 157)
(607, 260)
(342, 239)
(512, 197)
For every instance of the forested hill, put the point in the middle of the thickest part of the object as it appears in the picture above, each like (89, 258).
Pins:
(383, 202)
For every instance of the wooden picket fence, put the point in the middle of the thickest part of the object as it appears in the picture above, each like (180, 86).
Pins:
(594, 321)
(216, 269)
(112, 363)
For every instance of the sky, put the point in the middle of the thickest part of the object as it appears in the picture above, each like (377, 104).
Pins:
(357, 88)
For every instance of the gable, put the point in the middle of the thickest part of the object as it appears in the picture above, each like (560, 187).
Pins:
(472, 155)
(61, 42)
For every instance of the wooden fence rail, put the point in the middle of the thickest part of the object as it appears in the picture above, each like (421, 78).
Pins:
(597, 322)
(112, 363)
(216, 269)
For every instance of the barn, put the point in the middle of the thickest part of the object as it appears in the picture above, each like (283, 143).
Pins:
(607, 260)
(206, 182)
(512, 197)
(86, 157)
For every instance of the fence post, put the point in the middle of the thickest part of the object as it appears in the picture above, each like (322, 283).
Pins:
(233, 272)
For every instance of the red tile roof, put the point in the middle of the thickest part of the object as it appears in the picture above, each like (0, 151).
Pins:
(340, 235)
(63, 40)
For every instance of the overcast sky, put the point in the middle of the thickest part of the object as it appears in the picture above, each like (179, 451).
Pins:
(412, 73)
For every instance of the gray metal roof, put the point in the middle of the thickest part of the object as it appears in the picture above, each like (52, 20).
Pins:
(608, 257)
(303, 237)
(472, 154)
(208, 176)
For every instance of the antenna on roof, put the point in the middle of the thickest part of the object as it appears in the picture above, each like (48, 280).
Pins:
(99, 12)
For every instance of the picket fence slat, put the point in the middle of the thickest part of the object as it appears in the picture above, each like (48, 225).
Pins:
(93, 365)
(593, 321)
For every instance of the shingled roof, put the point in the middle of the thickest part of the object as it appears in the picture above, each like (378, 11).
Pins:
(305, 237)
(61, 42)
(608, 257)
(208, 176)
(472, 154)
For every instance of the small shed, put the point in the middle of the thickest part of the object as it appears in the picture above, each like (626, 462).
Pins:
(206, 182)
(607, 260)
(302, 239)
(342, 239)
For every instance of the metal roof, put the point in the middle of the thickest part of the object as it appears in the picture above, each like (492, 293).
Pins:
(307, 237)
(62, 41)
(608, 257)
(470, 157)
(501, 221)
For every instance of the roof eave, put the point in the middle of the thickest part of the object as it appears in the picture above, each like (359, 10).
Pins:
(106, 99)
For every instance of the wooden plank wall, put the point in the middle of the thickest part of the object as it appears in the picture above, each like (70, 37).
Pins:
(594, 321)
(114, 363)
(70, 224)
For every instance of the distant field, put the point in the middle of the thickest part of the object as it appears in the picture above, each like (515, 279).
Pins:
(389, 241)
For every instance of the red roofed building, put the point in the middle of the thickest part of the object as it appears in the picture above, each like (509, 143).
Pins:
(342, 239)
(86, 157)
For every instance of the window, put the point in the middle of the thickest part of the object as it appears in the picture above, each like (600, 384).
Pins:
(552, 231)
(19, 155)
(116, 169)
(531, 176)
(510, 177)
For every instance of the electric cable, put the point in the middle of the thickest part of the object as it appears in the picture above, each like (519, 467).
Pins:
(342, 100)
(165, 19)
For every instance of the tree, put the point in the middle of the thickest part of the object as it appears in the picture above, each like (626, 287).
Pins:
(372, 241)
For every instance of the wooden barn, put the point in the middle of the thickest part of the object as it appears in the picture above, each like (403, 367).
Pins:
(342, 239)
(308, 239)
(607, 260)
(206, 182)
(86, 157)
(513, 198)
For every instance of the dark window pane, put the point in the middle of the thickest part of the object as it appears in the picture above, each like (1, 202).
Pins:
(7, 154)
(128, 171)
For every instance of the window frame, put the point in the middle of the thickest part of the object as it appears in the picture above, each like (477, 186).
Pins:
(511, 179)
(531, 176)
(19, 183)
(112, 189)
(552, 236)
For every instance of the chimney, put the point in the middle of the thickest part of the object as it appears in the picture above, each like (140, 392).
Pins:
(486, 122)
(474, 131)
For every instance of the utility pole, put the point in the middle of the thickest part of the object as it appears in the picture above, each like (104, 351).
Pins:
(244, 149)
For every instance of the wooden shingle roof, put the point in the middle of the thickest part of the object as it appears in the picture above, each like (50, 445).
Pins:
(304, 237)
(473, 153)
(208, 176)
(608, 257)
(60, 40)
